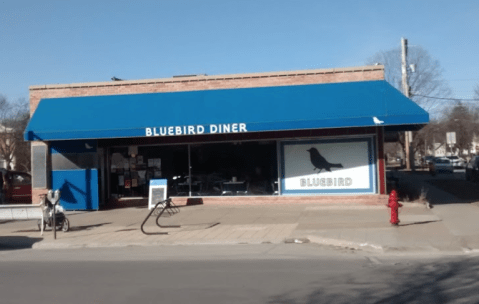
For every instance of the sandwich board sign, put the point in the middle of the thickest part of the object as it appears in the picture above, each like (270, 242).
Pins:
(157, 193)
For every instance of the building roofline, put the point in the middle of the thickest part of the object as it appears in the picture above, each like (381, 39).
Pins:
(195, 78)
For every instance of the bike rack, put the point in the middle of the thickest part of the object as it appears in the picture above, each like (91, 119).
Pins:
(170, 208)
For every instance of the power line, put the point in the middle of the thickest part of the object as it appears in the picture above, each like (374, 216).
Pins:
(465, 99)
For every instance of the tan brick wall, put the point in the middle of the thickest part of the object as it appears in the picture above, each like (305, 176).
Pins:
(205, 83)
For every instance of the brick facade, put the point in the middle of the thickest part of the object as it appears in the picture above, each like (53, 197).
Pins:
(196, 83)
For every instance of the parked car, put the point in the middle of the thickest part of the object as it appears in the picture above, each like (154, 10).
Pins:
(457, 162)
(427, 160)
(441, 164)
(16, 187)
(472, 169)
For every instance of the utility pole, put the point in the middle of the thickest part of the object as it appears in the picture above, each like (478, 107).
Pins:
(405, 87)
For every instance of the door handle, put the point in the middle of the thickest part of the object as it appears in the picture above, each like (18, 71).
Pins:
(16, 188)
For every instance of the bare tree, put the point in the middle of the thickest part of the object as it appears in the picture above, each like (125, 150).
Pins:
(427, 80)
(22, 150)
(431, 138)
(13, 120)
(461, 120)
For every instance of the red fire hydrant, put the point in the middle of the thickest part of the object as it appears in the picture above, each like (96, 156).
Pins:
(394, 205)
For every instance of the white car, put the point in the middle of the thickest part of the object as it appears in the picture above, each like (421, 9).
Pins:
(442, 164)
(456, 161)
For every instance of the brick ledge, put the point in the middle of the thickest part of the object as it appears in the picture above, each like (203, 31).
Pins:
(210, 78)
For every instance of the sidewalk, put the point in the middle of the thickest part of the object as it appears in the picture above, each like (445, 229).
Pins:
(448, 227)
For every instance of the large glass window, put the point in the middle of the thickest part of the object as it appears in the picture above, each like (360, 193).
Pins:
(239, 168)
(131, 168)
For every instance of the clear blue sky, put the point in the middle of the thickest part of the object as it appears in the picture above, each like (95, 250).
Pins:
(48, 42)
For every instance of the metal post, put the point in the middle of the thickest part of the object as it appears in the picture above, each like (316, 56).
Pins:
(189, 168)
(54, 225)
(406, 145)
(54, 198)
(425, 148)
(405, 87)
(101, 159)
(278, 163)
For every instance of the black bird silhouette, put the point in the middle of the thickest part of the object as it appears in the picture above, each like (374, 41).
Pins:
(319, 162)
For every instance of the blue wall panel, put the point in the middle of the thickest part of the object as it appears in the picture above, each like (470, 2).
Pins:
(79, 188)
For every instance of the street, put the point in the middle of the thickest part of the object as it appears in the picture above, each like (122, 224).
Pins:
(431, 258)
(268, 273)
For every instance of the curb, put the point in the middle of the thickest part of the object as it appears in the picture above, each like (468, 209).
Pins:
(345, 244)
(54, 245)
(471, 251)
(349, 245)
(382, 249)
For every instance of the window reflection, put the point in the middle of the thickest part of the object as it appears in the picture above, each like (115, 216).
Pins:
(239, 168)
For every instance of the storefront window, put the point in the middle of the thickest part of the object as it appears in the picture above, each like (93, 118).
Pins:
(131, 169)
(239, 168)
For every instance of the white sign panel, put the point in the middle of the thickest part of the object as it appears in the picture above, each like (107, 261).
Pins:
(451, 138)
(157, 193)
(329, 166)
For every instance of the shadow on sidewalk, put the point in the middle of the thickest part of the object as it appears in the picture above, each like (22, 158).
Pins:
(465, 190)
(419, 185)
(204, 226)
(127, 229)
(88, 227)
(74, 228)
(181, 228)
(419, 223)
(176, 206)
(17, 242)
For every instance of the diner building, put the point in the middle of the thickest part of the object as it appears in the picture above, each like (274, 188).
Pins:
(291, 137)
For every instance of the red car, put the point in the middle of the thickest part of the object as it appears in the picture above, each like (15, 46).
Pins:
(17, 187)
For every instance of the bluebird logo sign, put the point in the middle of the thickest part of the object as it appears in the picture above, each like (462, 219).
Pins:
(342, 165)
(197, 129)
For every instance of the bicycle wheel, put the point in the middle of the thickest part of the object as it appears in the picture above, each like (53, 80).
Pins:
(65, 225)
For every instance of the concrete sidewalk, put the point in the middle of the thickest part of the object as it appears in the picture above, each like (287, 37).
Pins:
(451, 225)
(348, 226)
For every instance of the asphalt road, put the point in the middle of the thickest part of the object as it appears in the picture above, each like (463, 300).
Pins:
(287, 273)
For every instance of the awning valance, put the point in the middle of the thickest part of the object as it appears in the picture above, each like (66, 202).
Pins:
(314, 106)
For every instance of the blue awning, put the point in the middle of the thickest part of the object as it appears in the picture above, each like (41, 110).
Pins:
(315, 106)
